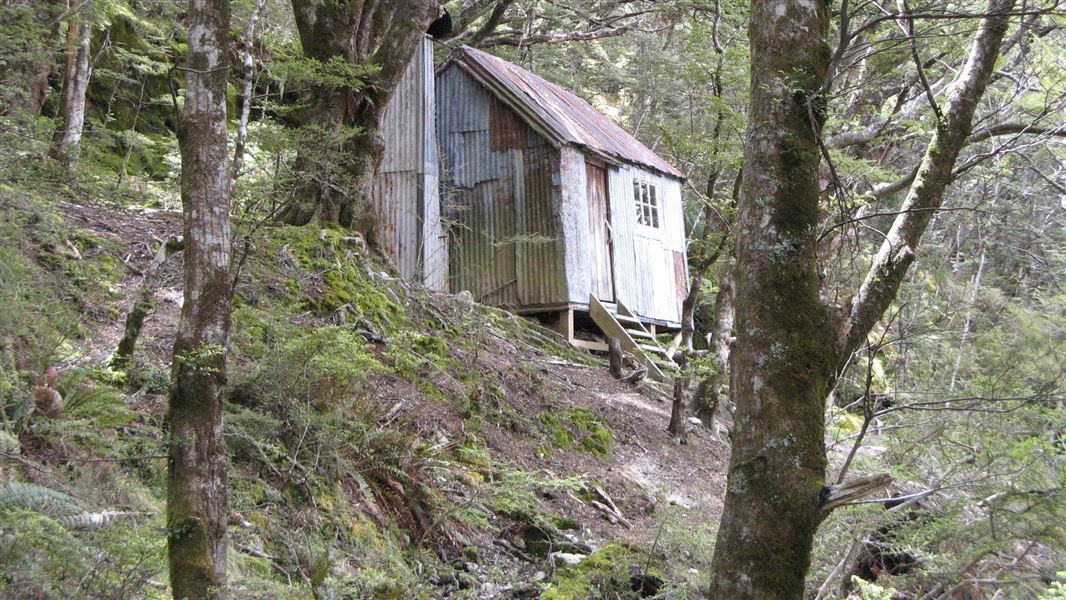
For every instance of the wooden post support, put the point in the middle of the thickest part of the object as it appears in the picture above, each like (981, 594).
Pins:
(614, 355)
(565, 325)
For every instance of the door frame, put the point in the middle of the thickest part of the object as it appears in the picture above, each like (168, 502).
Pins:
(609, 217)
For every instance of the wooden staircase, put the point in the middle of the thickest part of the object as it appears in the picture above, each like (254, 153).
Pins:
(634, 338)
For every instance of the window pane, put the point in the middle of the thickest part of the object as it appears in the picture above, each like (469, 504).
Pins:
(652, 199)
(636, 200)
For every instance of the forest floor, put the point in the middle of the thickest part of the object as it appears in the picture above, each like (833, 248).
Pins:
(536, 409)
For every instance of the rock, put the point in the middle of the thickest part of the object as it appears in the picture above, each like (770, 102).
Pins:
(678, 500)
(558, 559)
(171, 296)
(646, 584)
(539, 576)
(542, 538)
(465, 297)
(695, 421)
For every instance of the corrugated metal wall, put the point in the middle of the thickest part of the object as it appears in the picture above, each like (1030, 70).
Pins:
(500, 198)
(646, 269)
(575, 224)
(406, 191)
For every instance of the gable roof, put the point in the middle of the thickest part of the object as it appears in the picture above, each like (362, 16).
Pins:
(556, 113)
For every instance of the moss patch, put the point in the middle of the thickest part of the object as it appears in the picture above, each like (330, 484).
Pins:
(576, 428)
(618, 571)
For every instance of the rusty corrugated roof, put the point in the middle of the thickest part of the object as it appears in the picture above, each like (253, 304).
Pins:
(558, 113)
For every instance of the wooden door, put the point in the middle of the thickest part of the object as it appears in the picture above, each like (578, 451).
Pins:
(599, 233)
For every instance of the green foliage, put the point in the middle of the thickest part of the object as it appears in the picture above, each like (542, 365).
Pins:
(607, 573)
(514, 493)
(52, 546)
(1057, 591)
(97, 406)
(333, 73)
(575, 427)
(872, 591)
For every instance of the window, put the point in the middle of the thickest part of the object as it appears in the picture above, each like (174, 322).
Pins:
(646, 198)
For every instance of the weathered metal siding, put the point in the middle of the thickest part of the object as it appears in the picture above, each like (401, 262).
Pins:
(565, 117)
(574, 217)
(500, 190)
(406, 195)
(645, 258)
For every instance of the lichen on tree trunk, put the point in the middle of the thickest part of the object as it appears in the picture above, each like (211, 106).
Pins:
(780, 361)
(788, 349)
(196, 474)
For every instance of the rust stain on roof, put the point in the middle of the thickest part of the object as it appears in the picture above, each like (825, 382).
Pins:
(565, 117)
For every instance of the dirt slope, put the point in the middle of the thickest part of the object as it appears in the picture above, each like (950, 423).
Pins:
(535, 408)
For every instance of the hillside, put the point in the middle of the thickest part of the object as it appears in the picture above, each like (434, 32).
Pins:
(384, 441)
(228, 371)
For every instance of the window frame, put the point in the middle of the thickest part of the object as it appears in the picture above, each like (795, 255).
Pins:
(648, 205)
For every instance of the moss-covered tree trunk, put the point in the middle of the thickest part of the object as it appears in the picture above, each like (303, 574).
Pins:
(335, 180)
(142, 305)
(783, 355)
(788, 349)
(196, 476)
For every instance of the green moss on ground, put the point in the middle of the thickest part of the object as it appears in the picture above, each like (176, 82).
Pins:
(327, 498)
(576, 428)
(617, 571)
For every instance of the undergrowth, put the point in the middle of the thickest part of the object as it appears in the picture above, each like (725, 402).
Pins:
(338, 488)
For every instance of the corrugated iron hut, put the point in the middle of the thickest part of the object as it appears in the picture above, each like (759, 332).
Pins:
(551, 202)
(406, 188)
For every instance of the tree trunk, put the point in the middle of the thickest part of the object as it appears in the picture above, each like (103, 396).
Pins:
(934, 174)
(67, 138)
(335, 182)
(247, 89)
(25, 71)
(142, 304)
(710, 392)
(786, 359)
(967, 324)
(196, 477)
(677, 426)
(784, 350)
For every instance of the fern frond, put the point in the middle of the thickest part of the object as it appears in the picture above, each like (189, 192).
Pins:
(95, 520)
(65, 509)
(85, 400)
(17, 494)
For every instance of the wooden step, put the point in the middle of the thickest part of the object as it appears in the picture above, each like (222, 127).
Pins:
(609, 324)
(654, 349)
(640, 333)
(623, 310)
(624, 319)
